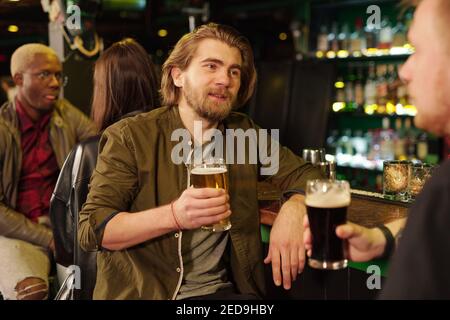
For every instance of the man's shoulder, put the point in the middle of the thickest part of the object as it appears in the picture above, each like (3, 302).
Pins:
(239, 120)
(140, 121)
(6, 116)
(64, 108)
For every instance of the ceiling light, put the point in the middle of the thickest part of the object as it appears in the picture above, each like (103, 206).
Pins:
(162, 33)
(13, 28)
(282, 36)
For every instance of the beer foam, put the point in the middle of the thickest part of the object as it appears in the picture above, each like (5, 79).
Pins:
(205, 171)
(328, 200)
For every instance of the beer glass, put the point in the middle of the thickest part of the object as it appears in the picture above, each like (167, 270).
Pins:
(326, 203)
(211, 173)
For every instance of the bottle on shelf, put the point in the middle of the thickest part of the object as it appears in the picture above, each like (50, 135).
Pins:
(359, 90)
(386, 36)
(333, 42)
(410, 140)
(343, 42)
(371, 35)
(399, 141)
(370, 91)
(322, 40)
(422, 146)
(386, 141)
(399, 36)
(381, 89)
(392, 82)
(350, 100)
(357, 39)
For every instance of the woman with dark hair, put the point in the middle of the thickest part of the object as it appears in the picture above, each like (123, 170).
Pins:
(125, 83)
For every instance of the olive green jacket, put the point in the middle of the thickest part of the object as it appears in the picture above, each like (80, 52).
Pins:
(68, 126)
(135, 172)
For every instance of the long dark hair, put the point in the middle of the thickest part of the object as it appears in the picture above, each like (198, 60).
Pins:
(125, 80)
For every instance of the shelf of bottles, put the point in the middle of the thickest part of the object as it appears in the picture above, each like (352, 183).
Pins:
(371, 112)
(371, 41)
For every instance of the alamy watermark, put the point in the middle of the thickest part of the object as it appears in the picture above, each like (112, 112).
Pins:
(240, 147)
(73, 21)
(374, 20)
(374, 280)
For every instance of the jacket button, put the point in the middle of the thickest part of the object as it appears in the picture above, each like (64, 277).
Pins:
(177, 234)
(178, 270)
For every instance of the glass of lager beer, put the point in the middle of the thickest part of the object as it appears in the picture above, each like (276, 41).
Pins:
(211, 173)
(326, 204)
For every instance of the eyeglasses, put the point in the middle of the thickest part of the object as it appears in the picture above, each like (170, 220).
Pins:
(47, 76)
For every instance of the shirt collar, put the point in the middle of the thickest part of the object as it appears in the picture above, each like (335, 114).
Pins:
(25, 121)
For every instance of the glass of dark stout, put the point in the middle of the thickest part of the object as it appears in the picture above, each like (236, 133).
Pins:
(327, 202)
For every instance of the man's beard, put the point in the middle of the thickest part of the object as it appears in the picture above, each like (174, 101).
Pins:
(207, 108)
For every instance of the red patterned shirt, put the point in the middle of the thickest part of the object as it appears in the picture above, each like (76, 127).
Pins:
(39, 167)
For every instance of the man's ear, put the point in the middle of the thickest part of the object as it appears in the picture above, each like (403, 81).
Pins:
(18, 79)
(177, 77)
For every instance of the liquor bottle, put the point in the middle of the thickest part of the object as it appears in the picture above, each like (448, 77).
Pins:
(350, 90)
(422, 146)
(410, 140)
(344, 38)
(392, 82)
(322, 40)
(386, 141)
(357, 39)
(385, 34)
(359, 90)
(399, 38)
(370, 91)
(382, 88)
(333, 43)
(371, 35)
(399, 141)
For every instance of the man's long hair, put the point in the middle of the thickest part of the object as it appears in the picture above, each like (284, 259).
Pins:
(181, 57)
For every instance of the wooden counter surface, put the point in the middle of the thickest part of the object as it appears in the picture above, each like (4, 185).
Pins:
(365, 210)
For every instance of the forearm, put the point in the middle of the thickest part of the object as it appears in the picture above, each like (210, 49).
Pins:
(17, 226)
(396, 226)
(380, 240)
(296, 205)
(129, 229)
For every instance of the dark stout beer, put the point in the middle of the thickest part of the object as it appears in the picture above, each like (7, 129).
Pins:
(325, 213)
(212, 177)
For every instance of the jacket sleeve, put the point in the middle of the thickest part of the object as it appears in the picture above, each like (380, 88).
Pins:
(113, 186)
(85, 127)
(17, 226)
